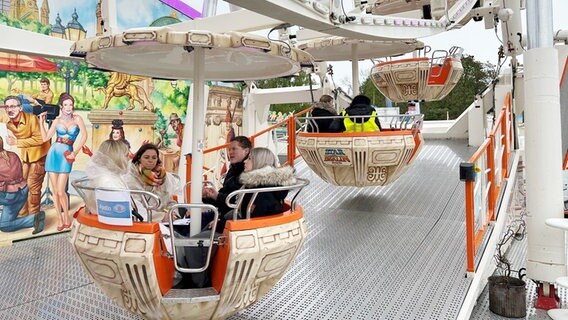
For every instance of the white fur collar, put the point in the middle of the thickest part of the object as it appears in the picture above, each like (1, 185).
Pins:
(269, 176)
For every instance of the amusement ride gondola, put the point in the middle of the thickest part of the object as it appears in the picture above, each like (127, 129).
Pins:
(131, 264)
(377, 158)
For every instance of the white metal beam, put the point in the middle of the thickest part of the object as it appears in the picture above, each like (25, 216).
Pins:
(240, 21)
(16, 40)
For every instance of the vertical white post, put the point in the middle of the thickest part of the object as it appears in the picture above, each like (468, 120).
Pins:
(545, 257)
(108, 11)
(197, 143)
(355, 68)
(209, 8)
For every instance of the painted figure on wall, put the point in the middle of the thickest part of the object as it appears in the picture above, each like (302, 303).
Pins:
(14, 195)
(45, 94)
(177, 126)
(117, 134)
(62, 153)
(122, 84)
(24, 133)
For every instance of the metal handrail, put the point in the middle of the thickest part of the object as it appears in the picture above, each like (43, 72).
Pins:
(239, 194)
(190, 242)
(398, 121)
(80, 186)
(491, 159)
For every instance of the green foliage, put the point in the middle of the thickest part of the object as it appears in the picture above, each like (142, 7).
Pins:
(301, 79)
(33, 26)
(476, 77)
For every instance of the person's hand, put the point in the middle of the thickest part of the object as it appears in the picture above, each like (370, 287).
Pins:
(42, 116)
(12, 140)
(210, 224)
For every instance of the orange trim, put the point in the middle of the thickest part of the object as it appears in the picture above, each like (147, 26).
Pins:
(220, 261)
(91, 220)
(219, 267)
(440, 77)
(469, 226)
(163, 265)
(566, 161)
(479, 151)
(417, 143)
(564, 72)
(491, 194)
(263, 222)
(385, 132)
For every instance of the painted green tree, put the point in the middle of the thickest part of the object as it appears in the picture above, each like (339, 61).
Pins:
(34, 26)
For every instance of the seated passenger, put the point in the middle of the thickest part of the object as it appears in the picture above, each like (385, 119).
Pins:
(261, 171)
(238, 151)
(353, 121)
(323, 108)
(145, 172)
(106, 168)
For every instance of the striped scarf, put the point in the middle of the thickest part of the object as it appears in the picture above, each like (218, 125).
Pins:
(153, 178)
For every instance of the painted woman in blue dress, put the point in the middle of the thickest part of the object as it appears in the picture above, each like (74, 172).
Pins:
(62, 153)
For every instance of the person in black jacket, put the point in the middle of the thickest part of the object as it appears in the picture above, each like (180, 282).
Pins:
(261, 170)
(323, 108)
(360, 106)
(238, 151)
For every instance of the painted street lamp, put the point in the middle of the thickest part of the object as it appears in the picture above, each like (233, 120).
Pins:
(75, 30)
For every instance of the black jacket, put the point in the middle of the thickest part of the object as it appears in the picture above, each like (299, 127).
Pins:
(354, 110)
(230, 184)
(266, 203)
(321, 110)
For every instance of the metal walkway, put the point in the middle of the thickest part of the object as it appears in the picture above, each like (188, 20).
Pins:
(394, 252)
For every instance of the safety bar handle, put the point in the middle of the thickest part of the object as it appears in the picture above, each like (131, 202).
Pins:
(184, 243)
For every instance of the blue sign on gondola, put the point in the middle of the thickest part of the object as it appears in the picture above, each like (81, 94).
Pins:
(113, 207)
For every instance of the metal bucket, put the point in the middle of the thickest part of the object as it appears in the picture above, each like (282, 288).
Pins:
(507, 296)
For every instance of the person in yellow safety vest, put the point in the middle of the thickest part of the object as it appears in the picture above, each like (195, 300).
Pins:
(354, 120)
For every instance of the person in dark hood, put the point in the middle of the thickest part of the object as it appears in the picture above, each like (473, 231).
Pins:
(353, 121)
(323, 108)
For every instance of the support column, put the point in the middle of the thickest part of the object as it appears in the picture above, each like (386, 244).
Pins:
(355, 68)
(546, 258)
(197, 143)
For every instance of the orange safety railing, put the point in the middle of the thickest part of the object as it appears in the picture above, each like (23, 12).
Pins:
(491, 164)
(270, 136)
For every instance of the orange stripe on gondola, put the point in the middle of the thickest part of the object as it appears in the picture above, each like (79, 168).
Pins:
(92, 220)
(219, 267)
(163, 264)
(563, 73)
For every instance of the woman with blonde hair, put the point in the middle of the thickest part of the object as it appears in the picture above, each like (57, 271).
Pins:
(262, 170)
(106, 168)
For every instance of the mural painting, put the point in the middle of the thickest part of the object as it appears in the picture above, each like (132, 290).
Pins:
(55, 113)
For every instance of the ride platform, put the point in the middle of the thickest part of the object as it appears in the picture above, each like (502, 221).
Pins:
(393, 252)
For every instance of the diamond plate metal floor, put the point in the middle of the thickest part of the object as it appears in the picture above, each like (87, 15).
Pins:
(394, 252)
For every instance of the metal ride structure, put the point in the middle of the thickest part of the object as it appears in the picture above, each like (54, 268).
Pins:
(369, 27)
(309, 14)
(247, 263)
